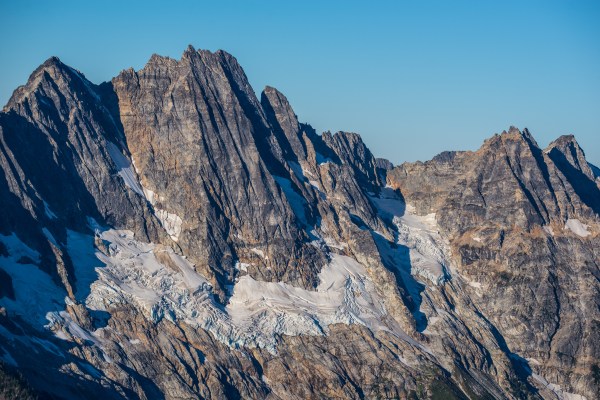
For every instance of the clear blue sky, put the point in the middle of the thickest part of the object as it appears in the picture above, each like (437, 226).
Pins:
(412, 77)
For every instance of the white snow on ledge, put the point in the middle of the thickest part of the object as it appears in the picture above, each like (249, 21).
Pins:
(124, 168)
(171, 222)
(575, 226)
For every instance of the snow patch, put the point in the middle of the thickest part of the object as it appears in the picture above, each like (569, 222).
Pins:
(420, 234)
(49, 236)
(315, 184)
(296, 201)
(298, 170)
(259, 253)
(86, 83)
(575, 226)
(476, 285)
(85, 263)
(171, 222)
(64, 319)
(35, 291)
(150, 195)
(240, 266)
(331, 242)
(345, 295)
(124, 168)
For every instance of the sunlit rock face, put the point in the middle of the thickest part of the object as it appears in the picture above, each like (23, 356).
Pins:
(169, 234)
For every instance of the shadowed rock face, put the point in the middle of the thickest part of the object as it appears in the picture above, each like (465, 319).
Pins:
(55, 135)
(168, 235)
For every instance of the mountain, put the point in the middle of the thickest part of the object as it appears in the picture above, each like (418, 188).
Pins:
(168, 234)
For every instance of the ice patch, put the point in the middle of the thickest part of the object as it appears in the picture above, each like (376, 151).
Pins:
(296, 201)
(171, 222)
(124, 168)
(240, 266)
(81, 250)
(575, 226)
(345, 295)
(259, 253)
(153, 277)
(427, 250)
(298, 170)
(163, 284)
(35, 291)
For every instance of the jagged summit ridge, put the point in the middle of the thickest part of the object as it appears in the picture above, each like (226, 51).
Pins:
(211, 245)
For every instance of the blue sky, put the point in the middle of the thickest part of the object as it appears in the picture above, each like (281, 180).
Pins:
(412, 77)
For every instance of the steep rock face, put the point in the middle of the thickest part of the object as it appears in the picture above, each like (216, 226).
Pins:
(284, 121)
(566, 149)
(213, 246)
(524, 234)
(201, 145)
(569, 158)
(62, 160)
(352, 151)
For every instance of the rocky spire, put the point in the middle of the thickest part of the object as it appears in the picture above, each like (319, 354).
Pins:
(566, 150)
(283, 119)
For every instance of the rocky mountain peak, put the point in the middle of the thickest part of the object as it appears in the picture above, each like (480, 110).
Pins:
(168, 235)
(50, 78)
(284, 121)
(565, 150)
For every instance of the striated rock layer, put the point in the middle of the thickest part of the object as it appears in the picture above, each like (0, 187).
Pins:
(170, 235)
